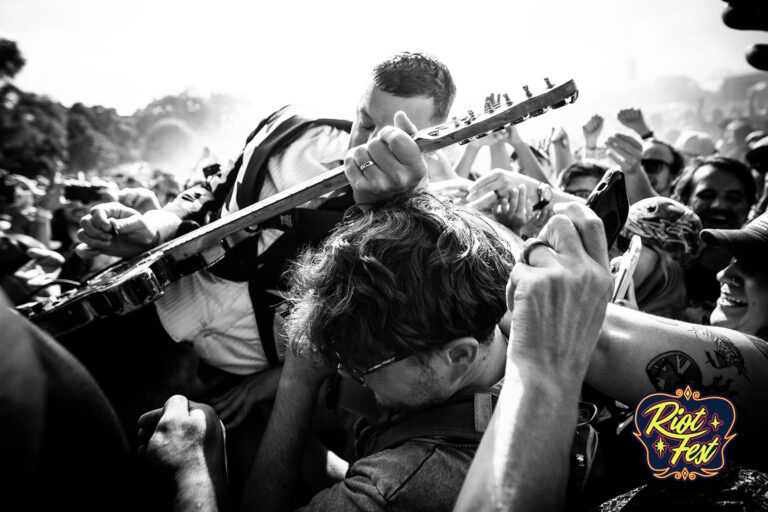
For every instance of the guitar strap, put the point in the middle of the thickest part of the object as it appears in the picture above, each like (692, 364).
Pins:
(301, 226)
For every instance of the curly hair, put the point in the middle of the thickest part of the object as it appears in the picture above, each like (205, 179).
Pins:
(408, 74)
(683, 186)
(401, 279)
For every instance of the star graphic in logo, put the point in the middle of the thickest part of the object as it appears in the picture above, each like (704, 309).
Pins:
(715, 422)
(660, 446)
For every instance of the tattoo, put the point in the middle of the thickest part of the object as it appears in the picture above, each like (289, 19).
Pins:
(760, 344)
(725, 353)
(672, 370)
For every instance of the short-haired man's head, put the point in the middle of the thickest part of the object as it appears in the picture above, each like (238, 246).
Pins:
(677, 163)
(409, 74)
(402, 279)
(581, 170)
(685, 184)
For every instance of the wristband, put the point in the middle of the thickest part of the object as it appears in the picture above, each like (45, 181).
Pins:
(647, 135)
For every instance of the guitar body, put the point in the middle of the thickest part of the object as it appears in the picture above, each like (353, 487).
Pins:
(132, 284)
(117, 290)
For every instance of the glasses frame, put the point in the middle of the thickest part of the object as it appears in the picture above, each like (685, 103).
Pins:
(358, 375)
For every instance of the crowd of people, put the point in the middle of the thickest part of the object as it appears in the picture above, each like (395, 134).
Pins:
(436, 336)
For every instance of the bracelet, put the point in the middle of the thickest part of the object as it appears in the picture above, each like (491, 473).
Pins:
(647, 135)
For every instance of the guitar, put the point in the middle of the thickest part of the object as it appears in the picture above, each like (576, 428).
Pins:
(131, 284)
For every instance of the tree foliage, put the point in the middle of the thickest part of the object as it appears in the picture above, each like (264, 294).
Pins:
(11, 59)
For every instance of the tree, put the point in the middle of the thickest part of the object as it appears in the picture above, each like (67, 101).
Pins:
(33, 136)
(11, 60)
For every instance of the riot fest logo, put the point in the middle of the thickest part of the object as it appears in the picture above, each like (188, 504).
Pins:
(684, 435)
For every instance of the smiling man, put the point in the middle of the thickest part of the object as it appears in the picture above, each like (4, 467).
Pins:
(743, 302)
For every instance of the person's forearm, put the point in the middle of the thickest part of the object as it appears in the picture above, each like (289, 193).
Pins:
(500, 158)
(276, 470)
(529, 165)
(464, 165)
(562, 157)
(195, 492)
(638, 186)
(522, 461)
(638, 354)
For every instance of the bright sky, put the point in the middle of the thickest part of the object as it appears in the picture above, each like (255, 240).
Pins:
(319, 53)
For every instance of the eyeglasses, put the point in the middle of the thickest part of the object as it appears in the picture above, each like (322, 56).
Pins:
(652, 166)
(359, 375)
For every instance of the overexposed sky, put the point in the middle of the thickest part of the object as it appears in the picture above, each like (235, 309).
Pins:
(319, 53)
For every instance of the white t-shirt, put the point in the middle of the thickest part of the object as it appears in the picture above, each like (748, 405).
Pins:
(215, 315)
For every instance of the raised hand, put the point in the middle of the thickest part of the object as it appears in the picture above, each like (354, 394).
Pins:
(591, 130)
(633, 119)
(566, 279)
(625, 151)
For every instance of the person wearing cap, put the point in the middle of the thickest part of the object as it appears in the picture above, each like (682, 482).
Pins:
(693, 144)
(662, 163)
(743, 301)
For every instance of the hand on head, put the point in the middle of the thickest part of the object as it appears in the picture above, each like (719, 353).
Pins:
(558, 297)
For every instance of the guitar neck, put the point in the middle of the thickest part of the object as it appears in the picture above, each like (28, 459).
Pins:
(251, 216)
(244, 223)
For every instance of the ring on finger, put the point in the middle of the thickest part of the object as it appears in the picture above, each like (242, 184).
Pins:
(363, 166)
(528, 247)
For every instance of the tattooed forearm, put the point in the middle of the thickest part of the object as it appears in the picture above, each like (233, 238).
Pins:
(760, 344)
(724, 354)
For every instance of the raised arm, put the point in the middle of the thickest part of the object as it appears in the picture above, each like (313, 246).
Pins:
(522, 461)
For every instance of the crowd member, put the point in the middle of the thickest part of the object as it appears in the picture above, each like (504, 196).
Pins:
(61, 445)
(734, 141)
(743, 301)
(720, 191)
(670, 235)
(694, 144)
(580, 179)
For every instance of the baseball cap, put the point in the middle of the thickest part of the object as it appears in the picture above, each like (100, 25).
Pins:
(695, 143)
(749, 245)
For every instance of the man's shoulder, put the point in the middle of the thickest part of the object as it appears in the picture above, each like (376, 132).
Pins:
(422, 459)
(419, 474)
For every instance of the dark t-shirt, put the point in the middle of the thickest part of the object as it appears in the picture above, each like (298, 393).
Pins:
(421, 474)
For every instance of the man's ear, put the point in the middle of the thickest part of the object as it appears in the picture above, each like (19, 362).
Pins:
(458, 355)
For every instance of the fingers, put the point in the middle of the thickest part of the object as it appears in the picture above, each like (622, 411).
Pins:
(175, 407)
(402, 122)
(590, 229)
(401, 144)
(493, 181)
(84, 251)
(45, 255)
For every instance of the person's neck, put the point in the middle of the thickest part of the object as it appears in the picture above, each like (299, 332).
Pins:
(490, 369)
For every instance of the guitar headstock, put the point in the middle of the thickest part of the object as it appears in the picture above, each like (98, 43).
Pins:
(496, 116)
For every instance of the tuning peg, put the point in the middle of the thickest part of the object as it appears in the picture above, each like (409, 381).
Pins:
(527, 92)
(549, 84)
(456, 122)
(507, 100)
(488, 106)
